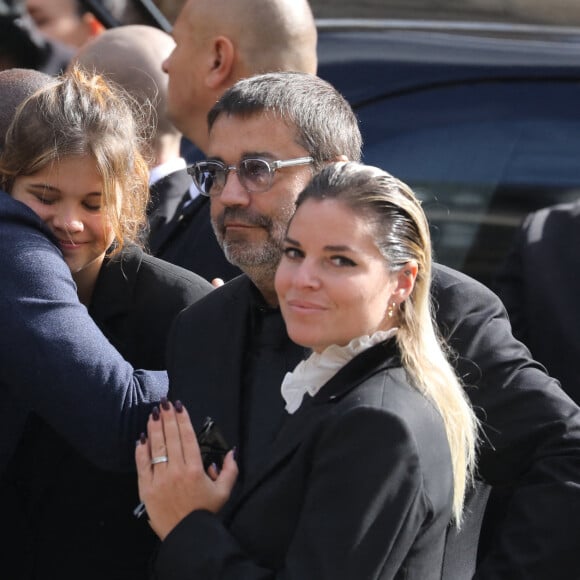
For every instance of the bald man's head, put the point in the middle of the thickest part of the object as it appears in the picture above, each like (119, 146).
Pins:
(277, 35)
(16, 85)
(131, 56)
(270, 35)
(221, 41)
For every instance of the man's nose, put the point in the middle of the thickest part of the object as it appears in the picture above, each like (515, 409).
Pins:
(233, 192)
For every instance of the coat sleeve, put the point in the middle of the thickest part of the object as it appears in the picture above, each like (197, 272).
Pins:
(531, 446)
(55, 361)
(364, 506)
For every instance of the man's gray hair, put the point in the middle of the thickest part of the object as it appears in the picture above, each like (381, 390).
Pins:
(323, 120)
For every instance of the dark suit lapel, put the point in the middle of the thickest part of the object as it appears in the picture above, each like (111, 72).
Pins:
(300, 425)
(226, 403)
(166, 194)
(185, 212)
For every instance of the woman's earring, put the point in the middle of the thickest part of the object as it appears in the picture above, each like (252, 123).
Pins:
(391, 309)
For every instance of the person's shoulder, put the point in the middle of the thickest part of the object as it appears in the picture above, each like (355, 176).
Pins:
(219, 309)
(570, 209)
(236, 293)
(376, 381)
(446, 278)
(458, 299)
(391, 391)
(164, 271)
(386, 406)
(551, 221)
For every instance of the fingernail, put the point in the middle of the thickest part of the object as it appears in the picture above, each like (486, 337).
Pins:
(142, 438)
(215, 468)
(155, 413)
(235, 452)
(178, 406)
(165, 404)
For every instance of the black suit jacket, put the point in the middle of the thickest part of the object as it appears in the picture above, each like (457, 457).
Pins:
(540, 286)
(78, 516)
(188, 240)
(531, 442)
(357, 484)
(136, 300)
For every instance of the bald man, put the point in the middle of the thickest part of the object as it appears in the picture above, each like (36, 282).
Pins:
(219, 42)
(131, 56)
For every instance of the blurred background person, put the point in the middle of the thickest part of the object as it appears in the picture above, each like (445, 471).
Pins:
(75, 22)
(539, 284)
(22, 46)
(219, 42)
(67, 21)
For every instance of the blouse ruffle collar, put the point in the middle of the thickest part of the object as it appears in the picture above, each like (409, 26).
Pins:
(313, 373)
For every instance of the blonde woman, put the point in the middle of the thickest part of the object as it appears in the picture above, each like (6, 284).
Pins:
(373, 459)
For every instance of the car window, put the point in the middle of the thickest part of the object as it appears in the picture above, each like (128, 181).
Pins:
(485, 130)
(480, 156)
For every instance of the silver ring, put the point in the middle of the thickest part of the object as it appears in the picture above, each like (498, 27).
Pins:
(160, 459)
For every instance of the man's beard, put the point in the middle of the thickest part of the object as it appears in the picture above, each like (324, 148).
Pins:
(245, 255)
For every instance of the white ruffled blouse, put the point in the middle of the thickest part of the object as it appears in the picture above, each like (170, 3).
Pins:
(311, 374)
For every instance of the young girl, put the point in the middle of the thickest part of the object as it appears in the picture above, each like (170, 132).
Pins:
(72, 154)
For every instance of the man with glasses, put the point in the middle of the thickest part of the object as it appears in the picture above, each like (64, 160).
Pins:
(217, 43)
(229, 352)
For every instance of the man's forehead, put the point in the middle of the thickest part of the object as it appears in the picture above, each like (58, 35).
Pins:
(250, 117)
(250, 134)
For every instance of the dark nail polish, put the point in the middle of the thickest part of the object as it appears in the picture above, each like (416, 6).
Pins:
(155, 413)
(235, 450)
(165, 404)
(142, 438)
(178, 406)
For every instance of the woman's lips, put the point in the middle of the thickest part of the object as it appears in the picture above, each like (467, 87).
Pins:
(305, 305)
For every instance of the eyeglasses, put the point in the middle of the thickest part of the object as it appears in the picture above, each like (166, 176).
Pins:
(255, 175)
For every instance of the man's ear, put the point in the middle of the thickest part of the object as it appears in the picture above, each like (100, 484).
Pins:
(222, 62)
(406, 277)
(341, 158)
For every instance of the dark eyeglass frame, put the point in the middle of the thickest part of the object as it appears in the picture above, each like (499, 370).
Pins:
(221, 171)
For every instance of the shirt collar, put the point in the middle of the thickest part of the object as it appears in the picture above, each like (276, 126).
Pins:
(163, 170)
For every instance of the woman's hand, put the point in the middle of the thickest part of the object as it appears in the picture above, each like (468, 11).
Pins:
(172, 481)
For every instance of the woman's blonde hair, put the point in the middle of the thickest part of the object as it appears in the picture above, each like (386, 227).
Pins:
(77, 115)
(401, 233)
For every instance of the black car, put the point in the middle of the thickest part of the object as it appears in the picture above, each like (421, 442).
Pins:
(482, 120)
